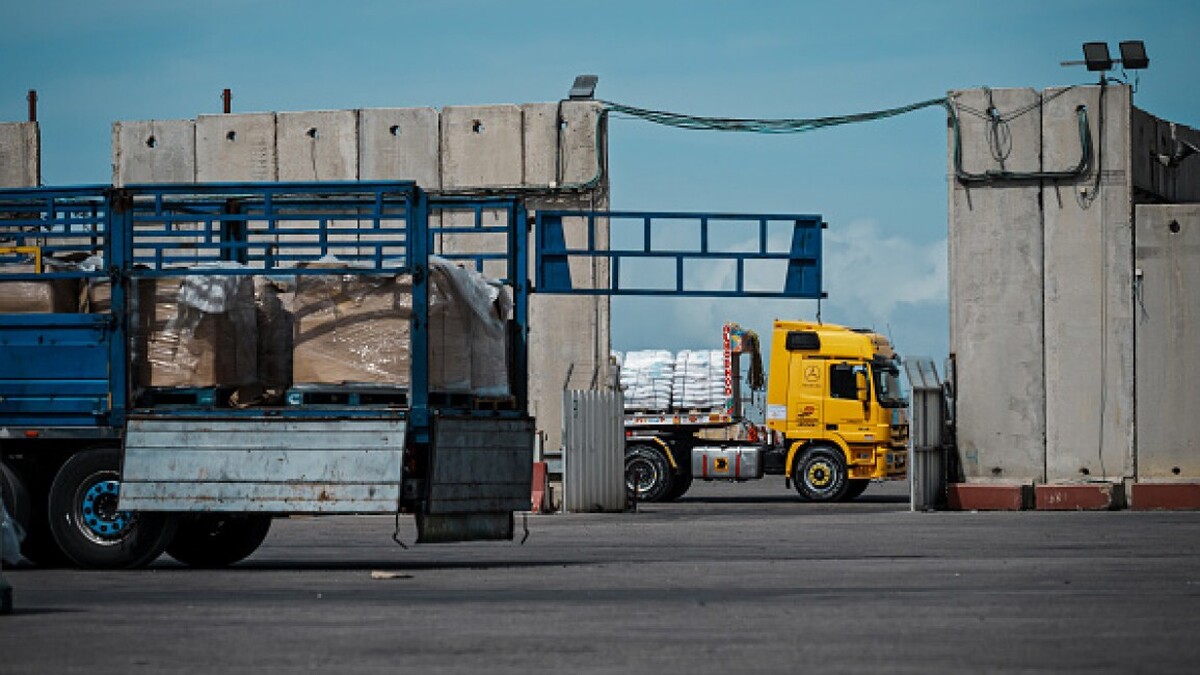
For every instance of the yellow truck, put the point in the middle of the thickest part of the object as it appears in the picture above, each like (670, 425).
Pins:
(836, 419)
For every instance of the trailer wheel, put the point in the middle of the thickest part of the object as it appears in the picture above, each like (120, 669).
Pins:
(647, 473)
(820, 474)
(86, 523)
(218, 540)
(855, 488)
(679, 486)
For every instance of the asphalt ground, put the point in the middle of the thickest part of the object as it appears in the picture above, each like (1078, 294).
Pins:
(731, 579)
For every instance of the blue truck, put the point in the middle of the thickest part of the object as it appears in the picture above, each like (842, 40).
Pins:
(105, 468)
(108, 461)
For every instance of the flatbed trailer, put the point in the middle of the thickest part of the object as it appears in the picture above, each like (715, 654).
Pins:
(106, 472)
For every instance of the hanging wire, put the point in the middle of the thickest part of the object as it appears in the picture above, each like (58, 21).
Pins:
(763, 126)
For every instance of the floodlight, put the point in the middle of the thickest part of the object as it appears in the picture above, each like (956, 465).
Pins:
(1095, 55)
(1133, 55)
(584, 88)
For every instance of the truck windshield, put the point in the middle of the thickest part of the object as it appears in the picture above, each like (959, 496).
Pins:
(887, 386)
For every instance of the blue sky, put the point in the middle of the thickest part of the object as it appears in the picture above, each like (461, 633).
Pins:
(881, 186)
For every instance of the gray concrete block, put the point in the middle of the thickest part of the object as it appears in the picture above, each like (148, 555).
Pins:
(1088, 306)
(20, 154)
(236, 147)
(1167, 297)
(154, 151)
(482, 146)
(400, 144)
(317, 145)
(995, 267)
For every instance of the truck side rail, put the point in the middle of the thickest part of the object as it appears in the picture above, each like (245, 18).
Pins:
(721, 255)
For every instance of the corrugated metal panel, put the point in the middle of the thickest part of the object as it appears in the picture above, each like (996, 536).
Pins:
(481, 466)
(927, 466)
(594, 451)
(270, 466)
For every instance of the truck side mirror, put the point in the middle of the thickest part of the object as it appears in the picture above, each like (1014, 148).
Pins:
(860, 384)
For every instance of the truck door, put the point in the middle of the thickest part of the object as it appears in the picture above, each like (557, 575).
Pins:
(845, 414)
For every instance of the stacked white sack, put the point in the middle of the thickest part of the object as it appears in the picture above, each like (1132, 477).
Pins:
(699, 380)
(646, 379)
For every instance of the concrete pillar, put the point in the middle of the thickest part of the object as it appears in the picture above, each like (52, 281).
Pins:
(20, 154)
(568, 334)
(154, 151)
(236, 148)
(1088, 299)
(1167, 321)
(400, 144)
(996, 324)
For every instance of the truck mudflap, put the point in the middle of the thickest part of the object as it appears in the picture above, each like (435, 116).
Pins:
(263, 465)
(481, 471)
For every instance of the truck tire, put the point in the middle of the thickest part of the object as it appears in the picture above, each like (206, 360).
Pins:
(647, 473)
(86, 523)
(217, 539)
(820, 474)
(855, 489)
(679, 486)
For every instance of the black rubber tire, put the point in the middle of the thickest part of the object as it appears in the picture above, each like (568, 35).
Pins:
(679, 486)
(139, 538)
(820, 474)
(647, 473)
(218, 539)
(855, 489)
(38, 546)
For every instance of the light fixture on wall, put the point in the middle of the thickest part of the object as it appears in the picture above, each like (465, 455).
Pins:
(584, 88)
(1098, 59)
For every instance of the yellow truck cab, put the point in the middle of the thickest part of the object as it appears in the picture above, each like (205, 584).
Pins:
(834, 395)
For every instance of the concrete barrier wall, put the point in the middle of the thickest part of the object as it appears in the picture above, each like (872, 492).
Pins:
(1167, 321)
(1088, 304)
(236, 148)
(154, 151)
(996, 294)
(1048, 280)
(20, 154)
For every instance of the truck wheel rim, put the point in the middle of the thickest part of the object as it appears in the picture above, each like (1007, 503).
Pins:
(642, 475)
(98, 514)
(820, 475)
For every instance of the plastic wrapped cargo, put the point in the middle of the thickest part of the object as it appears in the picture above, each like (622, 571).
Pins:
(52, 296)
(354, 328)
(699, 380)
(647, 378)
(196, 331)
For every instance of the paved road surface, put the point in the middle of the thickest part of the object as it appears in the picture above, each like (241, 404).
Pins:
(730, 579)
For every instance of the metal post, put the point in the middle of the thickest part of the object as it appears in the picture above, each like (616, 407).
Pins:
(227, 100)
(927, 466)
(32, 98)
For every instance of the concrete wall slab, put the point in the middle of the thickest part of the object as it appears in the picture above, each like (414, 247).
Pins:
(1168, 334)
(317, 145)
(482, 146)
(996, 256)
(154, 151)
(236, 148)
(400, 144)
(20, 154)
(1088, 306)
